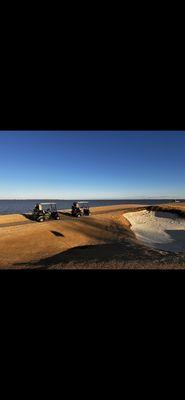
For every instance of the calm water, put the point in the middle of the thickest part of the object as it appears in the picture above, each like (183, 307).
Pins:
(24, 206)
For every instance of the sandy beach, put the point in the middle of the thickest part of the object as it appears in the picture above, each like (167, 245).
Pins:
(103, 240)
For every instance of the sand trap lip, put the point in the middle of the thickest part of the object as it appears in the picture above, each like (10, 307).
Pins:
(159, 230)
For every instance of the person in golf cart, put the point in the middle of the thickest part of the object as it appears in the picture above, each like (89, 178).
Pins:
(45, 211)
(80, 208)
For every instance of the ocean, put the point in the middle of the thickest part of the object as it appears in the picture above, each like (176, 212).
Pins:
(25, 206)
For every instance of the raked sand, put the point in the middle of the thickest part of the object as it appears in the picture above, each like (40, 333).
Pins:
(160, 230)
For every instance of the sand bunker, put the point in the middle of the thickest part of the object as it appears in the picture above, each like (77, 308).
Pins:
(160, 230)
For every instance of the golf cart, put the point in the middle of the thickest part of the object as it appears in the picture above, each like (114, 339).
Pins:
(45, 211)
(80, 208)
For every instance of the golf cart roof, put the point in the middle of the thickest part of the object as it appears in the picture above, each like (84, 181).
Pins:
(46, 204)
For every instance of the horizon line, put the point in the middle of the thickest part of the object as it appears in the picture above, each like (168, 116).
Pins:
(109, 198)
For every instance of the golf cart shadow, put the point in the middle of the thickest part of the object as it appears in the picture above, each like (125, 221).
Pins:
(29, 216)
(67, 214)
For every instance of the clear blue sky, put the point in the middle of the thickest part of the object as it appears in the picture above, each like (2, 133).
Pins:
(92, 165)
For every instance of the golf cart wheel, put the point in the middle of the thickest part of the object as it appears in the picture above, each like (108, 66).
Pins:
(41, 220)
(57, 218)
(78, 216)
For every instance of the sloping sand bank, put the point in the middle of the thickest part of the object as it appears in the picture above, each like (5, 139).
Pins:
(103, 240)
(158, 229)
(23, 242)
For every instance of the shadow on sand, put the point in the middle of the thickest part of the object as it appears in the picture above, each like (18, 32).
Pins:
(67, 214)
(89, 254)
(57, 233)
(178, 243)
(167, 214)
(29, 217)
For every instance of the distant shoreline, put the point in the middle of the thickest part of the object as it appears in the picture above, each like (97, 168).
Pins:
(19, 206)
(96, 199)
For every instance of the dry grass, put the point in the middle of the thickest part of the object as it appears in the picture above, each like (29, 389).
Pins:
(101, 241)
